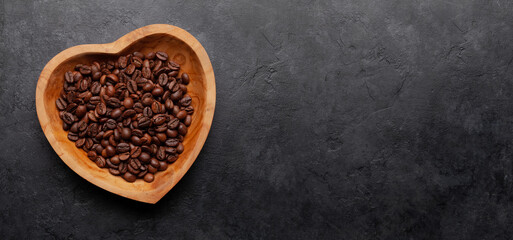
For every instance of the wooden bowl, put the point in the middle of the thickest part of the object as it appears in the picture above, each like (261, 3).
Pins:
(184, 49)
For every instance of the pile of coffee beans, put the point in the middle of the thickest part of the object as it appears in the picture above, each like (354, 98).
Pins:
(129, 115)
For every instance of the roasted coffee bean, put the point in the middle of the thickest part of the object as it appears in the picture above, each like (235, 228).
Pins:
(100, 162)
(163, 79)
(137, 61)
(186, 100)
(171, 158)
(80, 142)
(115, 160)
(128, 102)
(147, 112)
(110, 164)
(129, 177)
(156, 67)
(135, 152)
(122, 167)
(101, 109)
(115, 103)
(146, 72)
(157, 91)
(81, 111)
(172, 142)
(144, 122)
(122, 147)
(173, 123)
(181, 115)
(159, 119)
(132, 86)
(171, 133)
(150, 55)
(111, 124)
(68, 76)
(124, 156)
(176, 95)
(173, 65)
(147, 101)
(61, 104)
(188, 120)
(182, 129)
(185, 78)
(68, 118)
(130, 69)
(149, 177)
(161, 55)
(179, 148)
(110, 150)
(116, 113)
(161, 154)
(92, 155)
(122, 61)
(114, 171)
(128, 113)
(144, 157)
(85, 70)
(189, 110)
(126, 133)
(136, 141)
(162, 166)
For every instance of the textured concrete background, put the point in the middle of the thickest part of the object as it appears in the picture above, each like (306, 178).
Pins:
(334, 119)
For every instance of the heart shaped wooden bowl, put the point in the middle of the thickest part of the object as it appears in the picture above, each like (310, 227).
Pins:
(184, 49)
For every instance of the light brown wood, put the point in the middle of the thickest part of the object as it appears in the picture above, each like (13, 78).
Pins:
(183, 48)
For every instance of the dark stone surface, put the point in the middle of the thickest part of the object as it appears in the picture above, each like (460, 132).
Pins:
(334, 119)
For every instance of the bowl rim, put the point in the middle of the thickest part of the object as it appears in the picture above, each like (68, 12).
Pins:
(148, 196)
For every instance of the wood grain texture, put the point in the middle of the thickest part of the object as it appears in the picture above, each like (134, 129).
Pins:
(183, 48)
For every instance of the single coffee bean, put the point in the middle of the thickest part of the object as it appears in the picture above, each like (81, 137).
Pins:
(115, 160)
(85, 70)
(61, 104)
(185, 78)
(129, 177)
(81, 111)
(149, 177)
(173, 123)
(135, 152)
(181, 115)
(188, 120)
(150, 55)
(162, 166)
(172, 142)
(128, 113)
(114, 172)
(176, 95)
(80, 142)
(122, 61)
(116, 113)
(68, 76)
(101, 109)
(171, 133)
(128, 102)
(100, 162)
(92, 155)
(182, 129)
(161, 55)
(186, 100)
(110, 164)
(126, 133)
(68, 118)
(122, 148)
(124, 156)
(123, 167)
(179, 148)
(110, 150)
